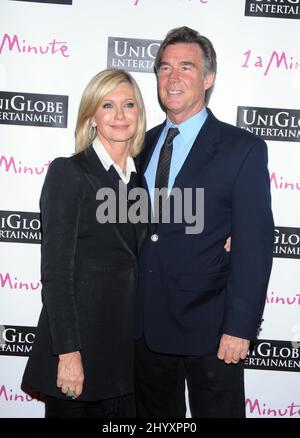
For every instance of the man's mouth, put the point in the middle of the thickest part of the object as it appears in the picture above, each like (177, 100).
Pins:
(174, 92)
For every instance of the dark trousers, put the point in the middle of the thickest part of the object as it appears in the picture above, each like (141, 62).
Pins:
(118, 407)
(216, 389)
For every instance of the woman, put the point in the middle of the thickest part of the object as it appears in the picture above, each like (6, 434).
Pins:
(83, 352)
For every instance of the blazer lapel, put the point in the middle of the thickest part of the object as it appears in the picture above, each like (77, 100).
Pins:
(144, 159)
(98, 177)
(93, 169)
(203, 150)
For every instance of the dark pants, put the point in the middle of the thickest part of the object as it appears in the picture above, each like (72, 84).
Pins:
(118, 407)
(216, 389)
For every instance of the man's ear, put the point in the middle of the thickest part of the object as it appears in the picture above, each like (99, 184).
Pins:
(209, 80)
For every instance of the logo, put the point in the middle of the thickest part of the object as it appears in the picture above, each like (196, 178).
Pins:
(260, 409)
(274, 355)
(274, 298)
(45, 110)
(56, 2)
(132, 54)
(10, 165)
(20, 227)
(270, 123)
(273, 8)
(13, 283)
(20, 45)
(281, 183)
(287, 243)
(177, 206)
(277, 60)
(16, 340)
(10, 395)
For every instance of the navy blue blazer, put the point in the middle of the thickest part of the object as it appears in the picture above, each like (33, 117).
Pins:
(190, 290)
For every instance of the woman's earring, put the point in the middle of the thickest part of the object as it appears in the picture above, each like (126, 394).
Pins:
(92, 132)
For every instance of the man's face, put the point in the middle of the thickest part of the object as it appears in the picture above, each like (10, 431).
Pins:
(181, 81)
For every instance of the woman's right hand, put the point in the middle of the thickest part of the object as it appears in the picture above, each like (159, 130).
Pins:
(70, 374)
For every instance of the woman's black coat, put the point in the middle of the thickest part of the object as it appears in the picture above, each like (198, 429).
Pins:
(89, 276)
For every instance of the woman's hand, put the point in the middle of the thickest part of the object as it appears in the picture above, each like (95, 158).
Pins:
(70, 374)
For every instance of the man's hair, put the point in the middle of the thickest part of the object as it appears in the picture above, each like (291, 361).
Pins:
(185, 34)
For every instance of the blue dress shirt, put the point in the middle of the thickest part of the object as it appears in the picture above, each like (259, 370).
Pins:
(182, 144)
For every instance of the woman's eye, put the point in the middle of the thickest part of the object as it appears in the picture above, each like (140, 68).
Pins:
(129, 105)
(107, 105)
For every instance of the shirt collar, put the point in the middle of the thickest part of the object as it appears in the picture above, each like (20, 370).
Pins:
(190, 127)
(107, 161)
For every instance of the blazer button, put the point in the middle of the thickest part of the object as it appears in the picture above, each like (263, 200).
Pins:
(154, 237)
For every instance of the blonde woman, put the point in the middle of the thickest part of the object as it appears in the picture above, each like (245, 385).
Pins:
(83, 352)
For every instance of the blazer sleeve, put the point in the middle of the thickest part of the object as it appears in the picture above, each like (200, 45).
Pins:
(60, 212)
(251, 247)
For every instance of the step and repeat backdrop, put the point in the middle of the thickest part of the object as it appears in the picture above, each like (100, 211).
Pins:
(49, 50)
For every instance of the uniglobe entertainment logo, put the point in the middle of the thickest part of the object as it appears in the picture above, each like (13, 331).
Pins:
(20, 227)
(287, 243)
(2, 330)
(274, 355)
(273, 8)
(270, 123)
(45, 110)
(16, 340)
(132, 54)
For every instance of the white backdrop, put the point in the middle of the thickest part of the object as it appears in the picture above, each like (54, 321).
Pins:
(54, 49)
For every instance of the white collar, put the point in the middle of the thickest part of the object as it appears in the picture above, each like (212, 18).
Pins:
(107, 161)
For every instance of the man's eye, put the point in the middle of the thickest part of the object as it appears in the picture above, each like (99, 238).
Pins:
(107, 105)
(164, 68)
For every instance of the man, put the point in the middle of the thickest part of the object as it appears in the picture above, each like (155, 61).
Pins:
(198, 306)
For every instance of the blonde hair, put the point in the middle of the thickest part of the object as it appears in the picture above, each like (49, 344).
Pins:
(96, 89)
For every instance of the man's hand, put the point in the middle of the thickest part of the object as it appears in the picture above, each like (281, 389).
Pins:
(232, 349)
(227, 245)
(70, 374)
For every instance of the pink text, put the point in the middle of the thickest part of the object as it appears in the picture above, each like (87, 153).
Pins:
(275, 60)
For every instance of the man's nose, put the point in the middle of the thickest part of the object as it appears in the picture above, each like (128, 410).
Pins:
(173, 75)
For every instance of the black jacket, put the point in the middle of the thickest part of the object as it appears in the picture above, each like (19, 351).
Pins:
(89, 275)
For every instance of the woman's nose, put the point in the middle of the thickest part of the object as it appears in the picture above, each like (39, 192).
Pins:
(119, 113)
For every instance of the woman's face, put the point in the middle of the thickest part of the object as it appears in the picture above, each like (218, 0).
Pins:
(116, 118)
